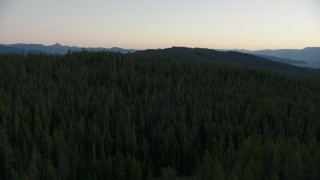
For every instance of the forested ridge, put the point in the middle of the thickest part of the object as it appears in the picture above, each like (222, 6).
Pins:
(101, 115)
(233, 58)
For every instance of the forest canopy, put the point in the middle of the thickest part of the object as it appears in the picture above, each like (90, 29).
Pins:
(103, 115)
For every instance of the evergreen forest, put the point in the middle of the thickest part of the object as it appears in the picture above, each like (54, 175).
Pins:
(107, 115)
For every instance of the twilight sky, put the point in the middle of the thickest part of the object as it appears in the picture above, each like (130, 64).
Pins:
(143, 24)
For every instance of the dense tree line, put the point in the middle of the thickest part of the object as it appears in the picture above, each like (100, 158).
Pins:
(105, 115)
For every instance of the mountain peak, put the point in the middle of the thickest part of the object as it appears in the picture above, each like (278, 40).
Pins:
(57, 44)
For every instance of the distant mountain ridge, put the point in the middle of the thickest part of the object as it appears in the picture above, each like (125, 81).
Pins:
(307, 54)
(54, 49)
(307, 57)
(233, 58)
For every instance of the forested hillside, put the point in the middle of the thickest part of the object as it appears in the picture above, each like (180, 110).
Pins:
(107, 115)
(233, 58)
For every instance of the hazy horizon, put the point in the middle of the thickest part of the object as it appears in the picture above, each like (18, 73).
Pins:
(158, 47)
(249, 24)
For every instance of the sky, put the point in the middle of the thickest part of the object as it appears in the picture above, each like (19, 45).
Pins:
(149, 24)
